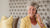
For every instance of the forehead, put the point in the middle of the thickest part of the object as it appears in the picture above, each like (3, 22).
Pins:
(32, 7)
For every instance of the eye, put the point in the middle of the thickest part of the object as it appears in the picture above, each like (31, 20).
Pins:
(30, 9)
(33, 9)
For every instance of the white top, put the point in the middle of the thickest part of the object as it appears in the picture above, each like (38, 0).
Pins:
(35, 26)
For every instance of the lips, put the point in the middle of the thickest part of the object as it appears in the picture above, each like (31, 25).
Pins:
(31, 14)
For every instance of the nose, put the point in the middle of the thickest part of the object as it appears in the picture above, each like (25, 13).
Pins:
(31, 11)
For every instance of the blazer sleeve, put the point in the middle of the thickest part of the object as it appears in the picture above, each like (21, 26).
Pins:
(22, 25)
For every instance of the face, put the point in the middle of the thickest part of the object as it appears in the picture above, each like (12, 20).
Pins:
(31, 10)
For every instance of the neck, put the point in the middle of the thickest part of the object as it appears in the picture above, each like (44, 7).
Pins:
(32, 17)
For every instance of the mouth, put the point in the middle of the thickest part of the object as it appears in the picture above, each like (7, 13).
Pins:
(31, 14)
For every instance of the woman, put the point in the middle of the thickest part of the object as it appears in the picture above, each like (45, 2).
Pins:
(33, 20)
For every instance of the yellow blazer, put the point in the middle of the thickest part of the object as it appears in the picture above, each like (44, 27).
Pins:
(26, 23)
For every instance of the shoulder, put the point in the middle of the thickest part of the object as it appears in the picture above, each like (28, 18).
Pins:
(25, 18)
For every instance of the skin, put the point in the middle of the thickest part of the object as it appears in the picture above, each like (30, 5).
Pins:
(31, 12)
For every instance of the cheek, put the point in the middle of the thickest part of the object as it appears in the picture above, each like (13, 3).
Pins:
(28, 12)
(34, 12)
